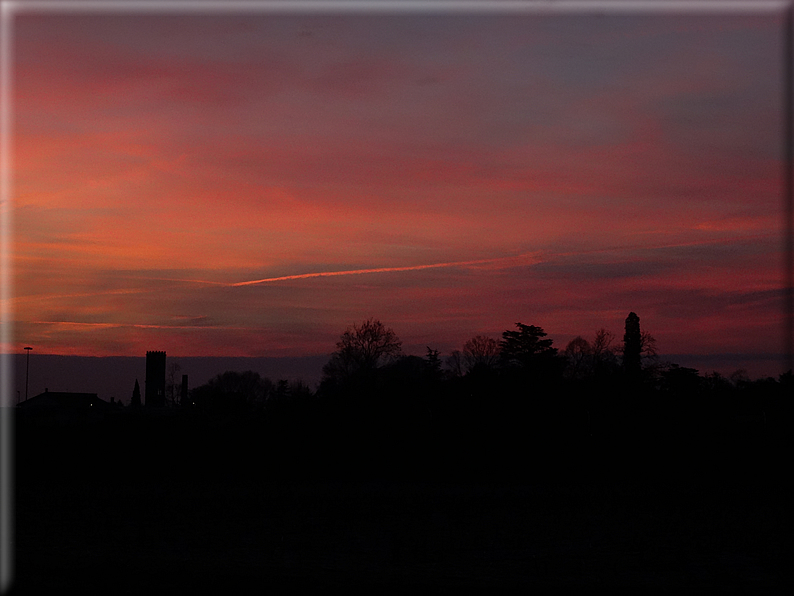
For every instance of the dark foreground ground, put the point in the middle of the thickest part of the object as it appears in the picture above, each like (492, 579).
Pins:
(121, 510)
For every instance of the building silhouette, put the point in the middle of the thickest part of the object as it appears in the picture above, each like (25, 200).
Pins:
(64, 406)
(155, 379)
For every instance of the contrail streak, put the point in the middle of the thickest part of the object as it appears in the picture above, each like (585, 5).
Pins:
(531, 257)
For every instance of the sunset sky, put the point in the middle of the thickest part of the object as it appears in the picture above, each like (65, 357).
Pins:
(252, 184)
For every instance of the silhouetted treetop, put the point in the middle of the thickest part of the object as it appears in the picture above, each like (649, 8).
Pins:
(604, 355)
(433, 360)
(525, 346)
(578, 354)
(136, 395)
(370, 343)
(647, 345)
(632, 345)
(455, 363)
(480, 352)
(680, 379)
(232, 392)
(602, 344)
(363, 348)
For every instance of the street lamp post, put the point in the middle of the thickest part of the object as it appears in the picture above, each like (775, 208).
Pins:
(27, 371)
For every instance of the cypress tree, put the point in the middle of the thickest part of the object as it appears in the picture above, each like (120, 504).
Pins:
(632, 347)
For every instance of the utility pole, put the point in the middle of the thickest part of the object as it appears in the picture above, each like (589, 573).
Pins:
(27, 371)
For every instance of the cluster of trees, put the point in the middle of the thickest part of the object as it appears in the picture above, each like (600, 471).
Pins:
(507, 405)
(245, 392)
(370, 348)
(487, 405)
(368, 361)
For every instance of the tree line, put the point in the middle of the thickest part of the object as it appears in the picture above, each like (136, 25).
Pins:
(516, 406)
(496, 402)
(369, 360)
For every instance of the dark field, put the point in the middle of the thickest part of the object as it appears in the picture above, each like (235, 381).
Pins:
(151, 506)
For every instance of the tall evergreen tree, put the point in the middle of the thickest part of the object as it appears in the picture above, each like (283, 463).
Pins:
(526, 346)
(632, 346)
(136, 395)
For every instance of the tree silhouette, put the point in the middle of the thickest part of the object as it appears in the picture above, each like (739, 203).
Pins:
(481, 352)
(632, 346)
(455, 363)
(433, 364)
(638, 344)
(604, 358)
(172, 386)
(647, 345)
(602, 342)
(578, 354)
(361, 349)
(525, 347)
(232, 393)
(136, 395)
(405, 372)
(680, 380)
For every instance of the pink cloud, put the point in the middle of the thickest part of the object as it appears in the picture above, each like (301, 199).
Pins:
(340, 183)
